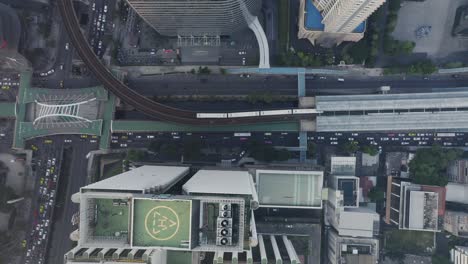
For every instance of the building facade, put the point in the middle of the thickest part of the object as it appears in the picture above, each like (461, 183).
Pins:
(197, 18)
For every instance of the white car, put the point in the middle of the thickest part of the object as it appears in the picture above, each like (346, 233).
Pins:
(93, 7)
(105, 8)
(67, 46)
(123, 145)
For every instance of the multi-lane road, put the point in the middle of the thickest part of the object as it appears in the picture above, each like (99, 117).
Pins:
(57, 178)
(222, 85)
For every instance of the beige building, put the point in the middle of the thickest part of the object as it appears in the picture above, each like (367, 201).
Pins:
(330, 22)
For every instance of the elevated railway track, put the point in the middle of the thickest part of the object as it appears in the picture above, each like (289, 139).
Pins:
(141, 103)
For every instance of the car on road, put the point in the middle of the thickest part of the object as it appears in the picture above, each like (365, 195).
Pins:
(67, 46)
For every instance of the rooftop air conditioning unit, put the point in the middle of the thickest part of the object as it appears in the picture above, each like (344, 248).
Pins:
(224, 222)
(223, 241)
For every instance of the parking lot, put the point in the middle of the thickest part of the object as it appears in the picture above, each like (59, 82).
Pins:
(437, 14)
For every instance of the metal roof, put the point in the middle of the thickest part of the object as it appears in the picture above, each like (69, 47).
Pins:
(220, 182)
(394, 122)
(457, 192)
(392, 101)
(142, 178)
(357, 223)
(292, 189)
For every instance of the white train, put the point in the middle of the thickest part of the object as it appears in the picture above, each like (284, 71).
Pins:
(259, 113)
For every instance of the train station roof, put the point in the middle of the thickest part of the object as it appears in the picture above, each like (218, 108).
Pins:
(394, 121)
(392, 101)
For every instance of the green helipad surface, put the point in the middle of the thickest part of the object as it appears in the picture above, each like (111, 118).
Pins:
(110, 218)
(162, 223)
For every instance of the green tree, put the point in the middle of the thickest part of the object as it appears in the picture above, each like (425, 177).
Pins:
(429, 165)
(311, 149)
(169, 150)
(375, 195)
(370, 149)
(439, 259)
(223, 71)
(135, 155)
(329, 57)
(350, 147)
(192, 149)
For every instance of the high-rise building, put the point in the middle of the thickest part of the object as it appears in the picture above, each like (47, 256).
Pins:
(330, 22)
(345, 15)
(197, 18)
(147, 215)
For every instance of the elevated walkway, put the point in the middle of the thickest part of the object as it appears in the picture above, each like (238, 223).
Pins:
(58, 111)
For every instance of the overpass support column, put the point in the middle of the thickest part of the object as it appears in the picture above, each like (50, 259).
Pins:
(263, 256)
(291, 252)
(274, 245)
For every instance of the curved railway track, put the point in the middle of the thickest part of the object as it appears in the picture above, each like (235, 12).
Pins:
(141, 103)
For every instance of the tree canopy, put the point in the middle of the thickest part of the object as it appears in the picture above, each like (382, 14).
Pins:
(429, 166)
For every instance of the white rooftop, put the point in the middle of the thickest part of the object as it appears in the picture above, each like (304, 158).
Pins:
(416, 217)
(220, 181)
(457, 193)
(142, 178)
(343, 165)
(357, 222)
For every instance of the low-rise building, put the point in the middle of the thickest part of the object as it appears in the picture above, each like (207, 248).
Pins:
(457, 193)
(131, 217)
(352, 250)
(456, 223)
(414, 207)
(457, 171)
(352, 236)
(459, 255)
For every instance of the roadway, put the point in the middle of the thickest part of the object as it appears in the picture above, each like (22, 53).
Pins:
(141, 103)
(74, 175)
(390, 139)
(188, 84)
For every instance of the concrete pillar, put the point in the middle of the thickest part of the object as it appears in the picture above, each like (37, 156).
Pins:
(291, 252)
(71, 254)
(274, 245)
(218, 257)
(103, 252)
(131, 254)
(88, 252)
(117, 253)
(253, 240)
(157, 255)
(235, 257)
(263, 255)
(249, 257)
(254, 204)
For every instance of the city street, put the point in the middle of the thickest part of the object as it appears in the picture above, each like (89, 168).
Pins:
(188, 84)
(74, 176)
(56, 181)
